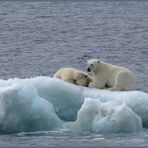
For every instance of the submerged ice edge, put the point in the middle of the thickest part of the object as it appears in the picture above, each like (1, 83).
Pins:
(44, 103)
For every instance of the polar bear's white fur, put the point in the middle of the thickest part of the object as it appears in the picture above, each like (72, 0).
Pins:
(74, 76)
(110, 76)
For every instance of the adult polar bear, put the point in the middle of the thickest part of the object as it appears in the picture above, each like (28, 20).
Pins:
(111, 76)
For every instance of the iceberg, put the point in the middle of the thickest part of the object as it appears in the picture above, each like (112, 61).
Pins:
(44, 103)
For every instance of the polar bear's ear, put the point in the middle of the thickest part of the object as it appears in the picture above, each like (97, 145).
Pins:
(88, 61)
(80, 76)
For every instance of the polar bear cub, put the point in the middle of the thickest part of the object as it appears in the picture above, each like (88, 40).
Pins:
(74, 76)
(111, 76)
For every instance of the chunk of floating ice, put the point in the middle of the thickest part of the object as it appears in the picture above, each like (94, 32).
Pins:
(21, 109)
(105, 117)
(44, 103)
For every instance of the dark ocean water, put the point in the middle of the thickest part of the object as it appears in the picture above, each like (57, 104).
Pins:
(37, 38)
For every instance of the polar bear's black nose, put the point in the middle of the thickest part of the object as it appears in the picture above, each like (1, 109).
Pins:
(88, 69)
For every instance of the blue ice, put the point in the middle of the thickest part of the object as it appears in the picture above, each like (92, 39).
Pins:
(44, 103)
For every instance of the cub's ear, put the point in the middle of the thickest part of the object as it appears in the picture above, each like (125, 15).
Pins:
(80, 76)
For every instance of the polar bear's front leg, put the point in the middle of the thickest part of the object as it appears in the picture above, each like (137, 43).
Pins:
(97, 84)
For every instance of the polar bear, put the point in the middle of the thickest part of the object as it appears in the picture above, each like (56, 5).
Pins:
(74, 76)
(110, 76)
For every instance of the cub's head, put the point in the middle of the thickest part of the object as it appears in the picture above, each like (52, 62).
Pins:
(92, 65)
(83, 79)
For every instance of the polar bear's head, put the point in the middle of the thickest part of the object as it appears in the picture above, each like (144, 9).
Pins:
(92, 65)
(83, 79)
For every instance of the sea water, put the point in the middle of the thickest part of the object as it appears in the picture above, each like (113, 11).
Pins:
(37, 38)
